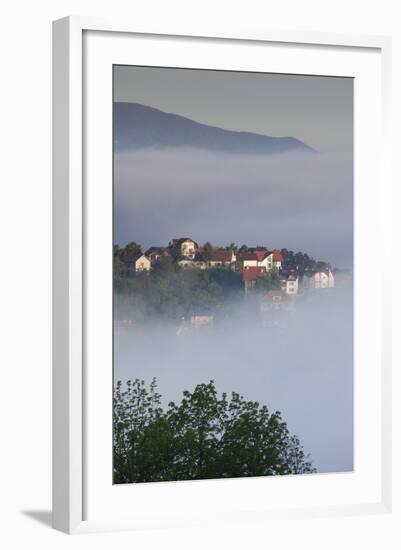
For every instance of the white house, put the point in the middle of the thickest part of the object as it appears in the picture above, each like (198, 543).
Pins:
(222, 258)
(194, 264)
(255, 258)
(263, 258)
(322, 279)
(141, 263)
(184, 247)
(275, 259)
(290, 283)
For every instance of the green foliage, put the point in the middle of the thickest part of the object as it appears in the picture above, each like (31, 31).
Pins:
(119, 267)
(165, 266)
(271, 281)
(170, 292)
(203, 437)
(207, 251)
(301, 261)
(132, 248)
(239, 265)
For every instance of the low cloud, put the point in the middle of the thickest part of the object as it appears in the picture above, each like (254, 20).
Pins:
(302, 367)
(301, 202)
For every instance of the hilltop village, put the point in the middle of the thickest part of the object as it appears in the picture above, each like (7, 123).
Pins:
(254, 263)
(197, 279)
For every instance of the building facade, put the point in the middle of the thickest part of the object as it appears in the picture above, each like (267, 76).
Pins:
(322, 279)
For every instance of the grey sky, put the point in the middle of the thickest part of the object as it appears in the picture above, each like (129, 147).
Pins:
(315, 109)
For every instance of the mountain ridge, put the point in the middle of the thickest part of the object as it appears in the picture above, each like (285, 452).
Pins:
(138, 126)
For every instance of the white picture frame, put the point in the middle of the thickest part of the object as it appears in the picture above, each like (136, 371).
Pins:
(74, 210)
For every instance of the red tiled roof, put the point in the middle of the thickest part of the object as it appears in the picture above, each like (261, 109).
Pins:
(253, 273)
(222, 256)
(277, 257)
(257, 255)
(260, 255)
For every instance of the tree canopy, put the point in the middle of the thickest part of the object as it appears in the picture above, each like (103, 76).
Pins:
(202, 437)
(171, 292)
(207, 251)
(271, 281)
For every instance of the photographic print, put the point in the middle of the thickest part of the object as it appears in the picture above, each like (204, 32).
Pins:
(232, 274)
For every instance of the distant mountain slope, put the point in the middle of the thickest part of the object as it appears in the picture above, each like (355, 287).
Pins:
(138, 126)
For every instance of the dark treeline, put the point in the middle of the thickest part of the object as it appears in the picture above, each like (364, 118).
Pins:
(203, 437)
(301, 262)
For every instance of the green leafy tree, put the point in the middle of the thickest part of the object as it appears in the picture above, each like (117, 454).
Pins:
(233, 247)
(165, 266)
(170, 292)
(271, 281)
(119, 266)
(322, 265)
(202, 437)
(128, 252)
(207, 251)
(137, 414)
(133, 248)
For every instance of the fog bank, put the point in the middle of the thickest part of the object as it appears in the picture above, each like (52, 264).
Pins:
(302, 366)
(294, 201)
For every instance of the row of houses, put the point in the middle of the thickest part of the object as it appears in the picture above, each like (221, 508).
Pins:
(255, 263)
(187, 253)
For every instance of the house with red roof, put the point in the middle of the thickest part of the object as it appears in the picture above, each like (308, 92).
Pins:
(262, 258)
(222, 258)
(276, 259)
(251, 274)
(255, 258)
